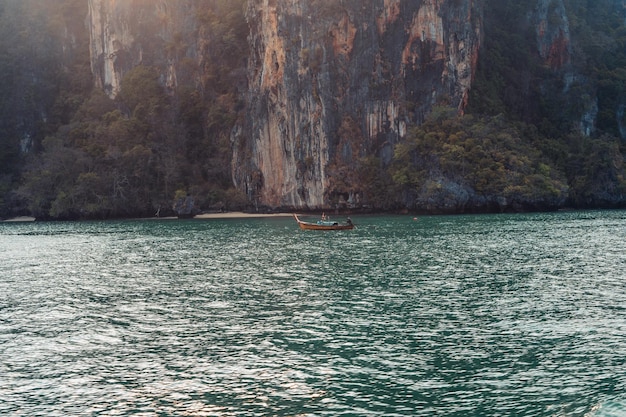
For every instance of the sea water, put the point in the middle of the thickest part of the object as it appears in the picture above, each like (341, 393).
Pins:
(486, 315)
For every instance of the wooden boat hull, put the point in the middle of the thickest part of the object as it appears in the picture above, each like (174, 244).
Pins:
(323, 225)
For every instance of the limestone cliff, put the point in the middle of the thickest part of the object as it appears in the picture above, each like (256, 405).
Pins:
(331, 86)
(331, 82)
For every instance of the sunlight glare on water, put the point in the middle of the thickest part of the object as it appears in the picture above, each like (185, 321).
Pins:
(521, 315)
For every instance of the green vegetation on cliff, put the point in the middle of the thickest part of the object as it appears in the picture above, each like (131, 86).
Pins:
(457, 164)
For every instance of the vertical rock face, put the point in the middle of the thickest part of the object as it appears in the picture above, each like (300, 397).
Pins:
(554, 44)
(553, 35)
(128, 33)
(105, 45)
(334, 81)
(621, 110)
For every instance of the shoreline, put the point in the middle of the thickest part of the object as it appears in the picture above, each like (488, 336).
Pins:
(19, 219)
(246, 215)
(220, 215)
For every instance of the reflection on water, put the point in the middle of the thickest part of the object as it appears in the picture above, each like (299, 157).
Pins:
(519, 315)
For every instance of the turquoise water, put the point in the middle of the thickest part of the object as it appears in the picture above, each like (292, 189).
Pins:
(498, 315)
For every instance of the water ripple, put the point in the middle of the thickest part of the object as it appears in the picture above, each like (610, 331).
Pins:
(470, 315)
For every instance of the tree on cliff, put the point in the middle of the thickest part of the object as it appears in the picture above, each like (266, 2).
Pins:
(128, 156)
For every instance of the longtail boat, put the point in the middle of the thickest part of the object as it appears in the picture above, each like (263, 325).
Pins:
(324, 224)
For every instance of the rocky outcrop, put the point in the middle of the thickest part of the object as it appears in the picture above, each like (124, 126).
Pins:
(330, 83)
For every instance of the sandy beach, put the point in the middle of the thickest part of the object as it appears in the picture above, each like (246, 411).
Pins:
(20, 219)
(239, 215)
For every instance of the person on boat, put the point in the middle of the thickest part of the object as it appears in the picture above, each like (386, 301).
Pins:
(349, 220)
(324, 217)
